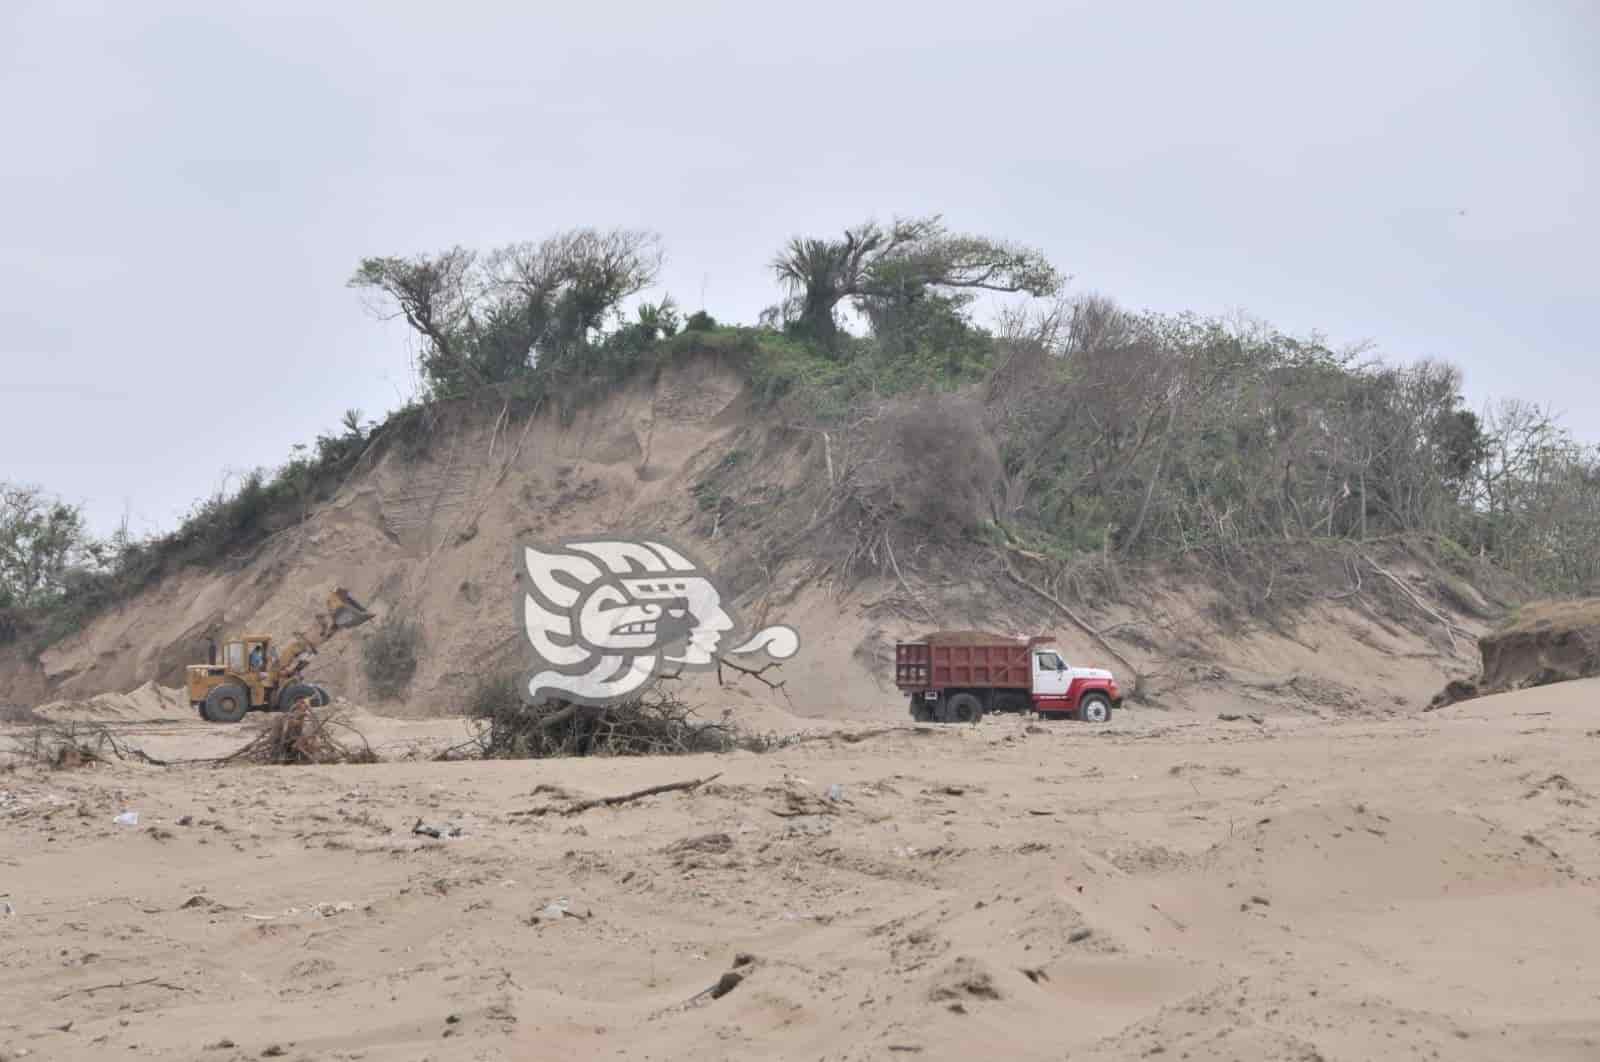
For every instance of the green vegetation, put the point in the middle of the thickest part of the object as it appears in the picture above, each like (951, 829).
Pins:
(911, 280)
(41, 539)
(73, 575)
(1066, 428)
(525, 309)
(1174, 435)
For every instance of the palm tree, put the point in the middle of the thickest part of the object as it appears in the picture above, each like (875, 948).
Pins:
(820, 274)
(897, 264)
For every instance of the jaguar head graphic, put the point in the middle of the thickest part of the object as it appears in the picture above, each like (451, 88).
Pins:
(605, 616)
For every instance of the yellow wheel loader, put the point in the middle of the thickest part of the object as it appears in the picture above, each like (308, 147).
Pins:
(254, 671)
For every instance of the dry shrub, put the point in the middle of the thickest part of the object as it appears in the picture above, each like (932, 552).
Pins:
(389, 656)
(930, 461)
(1270, 583)
(919, 470)
(305, 736)
(1092, 577)
(655, 723)
(493, 694)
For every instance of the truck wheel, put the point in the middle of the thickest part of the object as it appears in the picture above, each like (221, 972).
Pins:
(226, 704)
(962, 708)
(1095, 708)
(920, 712)
(289, 695)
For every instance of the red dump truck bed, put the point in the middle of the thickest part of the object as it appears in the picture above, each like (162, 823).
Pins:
(961, 659)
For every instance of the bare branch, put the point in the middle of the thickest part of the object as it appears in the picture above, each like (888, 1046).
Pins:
(581, 806)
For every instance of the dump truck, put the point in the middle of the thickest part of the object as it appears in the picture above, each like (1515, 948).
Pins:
(253, 671)
(960, 676)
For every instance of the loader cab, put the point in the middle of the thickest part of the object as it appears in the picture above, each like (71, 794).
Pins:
(229, 663)
(252, 659)
(244, 656)
(1050, 673)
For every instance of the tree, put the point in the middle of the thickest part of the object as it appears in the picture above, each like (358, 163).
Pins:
(486, 319)
(434, 295)
(41, 539)
(562, 288)
(889, 270)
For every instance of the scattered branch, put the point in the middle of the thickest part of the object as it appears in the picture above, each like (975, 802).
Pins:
(758, 673)
(76, 745)
(612, 801)
(92, 989)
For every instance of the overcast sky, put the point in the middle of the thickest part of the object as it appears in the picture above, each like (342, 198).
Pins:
(184, 188)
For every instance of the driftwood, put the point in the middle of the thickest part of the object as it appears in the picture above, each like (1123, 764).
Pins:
(92, 989)
(612, 801)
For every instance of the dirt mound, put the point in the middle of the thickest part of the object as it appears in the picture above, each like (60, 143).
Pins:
(148, 703)
(967, 638)
(1545, 642)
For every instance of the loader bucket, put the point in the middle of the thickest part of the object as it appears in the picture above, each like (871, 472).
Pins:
(347, 611)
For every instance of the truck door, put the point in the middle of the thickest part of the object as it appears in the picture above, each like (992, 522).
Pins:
(1049, 674)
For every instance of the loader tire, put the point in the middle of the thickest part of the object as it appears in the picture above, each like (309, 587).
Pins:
(291, 694)
(961, 708)
(324, 698)
(1095, 708)
(226, 704)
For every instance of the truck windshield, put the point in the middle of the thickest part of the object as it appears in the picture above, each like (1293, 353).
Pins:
(1050, 662)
